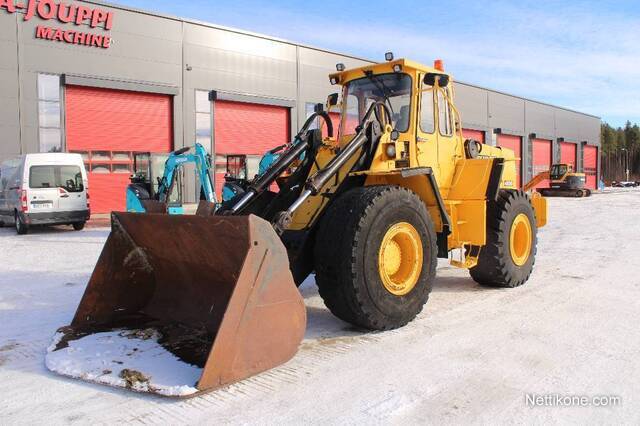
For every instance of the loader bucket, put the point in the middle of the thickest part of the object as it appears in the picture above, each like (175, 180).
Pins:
(210, 301)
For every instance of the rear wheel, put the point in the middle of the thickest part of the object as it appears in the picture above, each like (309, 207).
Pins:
(375, 257)
(78, 226)
(508, 257)
(21, 227)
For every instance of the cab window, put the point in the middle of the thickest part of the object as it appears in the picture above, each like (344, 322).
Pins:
(427, 120)
(393, 90)
(444, 115)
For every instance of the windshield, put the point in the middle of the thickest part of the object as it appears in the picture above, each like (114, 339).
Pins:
(558, 171)
(67, 177)
(394, 90)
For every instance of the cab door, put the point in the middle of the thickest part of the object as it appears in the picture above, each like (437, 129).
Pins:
(427, 141)
(72, 190)
(446, 140)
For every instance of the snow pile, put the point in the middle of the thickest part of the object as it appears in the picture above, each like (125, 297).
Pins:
(131, 359)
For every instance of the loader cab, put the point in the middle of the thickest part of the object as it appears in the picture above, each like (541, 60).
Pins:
(420, 102)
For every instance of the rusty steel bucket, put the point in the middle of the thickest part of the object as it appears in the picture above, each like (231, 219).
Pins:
(217, 289)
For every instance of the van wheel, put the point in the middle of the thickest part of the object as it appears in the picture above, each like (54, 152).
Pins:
(21, 227)
(78, 226)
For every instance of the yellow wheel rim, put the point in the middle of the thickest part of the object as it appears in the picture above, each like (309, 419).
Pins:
(400, 259)
(520, 239)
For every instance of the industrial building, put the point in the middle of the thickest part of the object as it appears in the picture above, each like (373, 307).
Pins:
(107, 81)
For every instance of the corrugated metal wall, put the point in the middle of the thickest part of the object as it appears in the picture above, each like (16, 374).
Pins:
(154, 50)
(9, 111)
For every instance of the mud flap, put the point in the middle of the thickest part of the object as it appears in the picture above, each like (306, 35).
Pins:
(217, 290)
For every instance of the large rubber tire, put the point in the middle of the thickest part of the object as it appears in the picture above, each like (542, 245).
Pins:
(346, 256)
(78, 226)
(21, 227)
(496, 266)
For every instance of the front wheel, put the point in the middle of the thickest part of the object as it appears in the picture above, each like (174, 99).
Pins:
(376, 256)
(21, 227)
(78, 226)
(508, 257)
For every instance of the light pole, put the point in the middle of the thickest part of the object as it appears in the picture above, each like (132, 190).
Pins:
(626, 162)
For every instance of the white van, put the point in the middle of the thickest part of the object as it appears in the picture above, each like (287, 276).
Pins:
(44, 189)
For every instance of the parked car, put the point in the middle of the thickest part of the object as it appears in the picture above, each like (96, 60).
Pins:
(44, 189)
(630, 184)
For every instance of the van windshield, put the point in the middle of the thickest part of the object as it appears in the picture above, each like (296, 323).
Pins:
(67, 177)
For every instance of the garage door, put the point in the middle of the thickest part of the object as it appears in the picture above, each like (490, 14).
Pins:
(568, 153)
(246, 128)
(591, 165)
(513, 143)
(541, 159)
(106, 127)
(477, 135)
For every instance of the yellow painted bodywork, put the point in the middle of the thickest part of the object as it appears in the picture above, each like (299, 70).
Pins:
(462, 182)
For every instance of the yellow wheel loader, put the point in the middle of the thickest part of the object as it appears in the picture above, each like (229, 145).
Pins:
(369, 209)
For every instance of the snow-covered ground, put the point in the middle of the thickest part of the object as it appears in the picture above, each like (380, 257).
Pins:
(473, 355)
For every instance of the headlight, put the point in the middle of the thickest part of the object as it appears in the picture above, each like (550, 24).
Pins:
(391, 150)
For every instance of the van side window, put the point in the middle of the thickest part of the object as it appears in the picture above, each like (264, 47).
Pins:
(427, 120)
(444, 115)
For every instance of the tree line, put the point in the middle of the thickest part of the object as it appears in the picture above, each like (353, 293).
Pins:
(620, 151)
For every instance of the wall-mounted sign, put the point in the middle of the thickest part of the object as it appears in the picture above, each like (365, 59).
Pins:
(67, 14)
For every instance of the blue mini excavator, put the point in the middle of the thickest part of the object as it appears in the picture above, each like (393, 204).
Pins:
(155, 184)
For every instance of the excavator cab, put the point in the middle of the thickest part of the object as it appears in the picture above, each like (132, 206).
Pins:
(558, 171)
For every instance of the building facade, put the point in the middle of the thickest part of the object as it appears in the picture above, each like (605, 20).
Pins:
(108, 81)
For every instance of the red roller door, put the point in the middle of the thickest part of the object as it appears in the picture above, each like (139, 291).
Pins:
(106, 127)
(568, 153)
(477, 135)
(591, 165)
(541, 159)
(513, 143)
(245, 128)
(335, 121)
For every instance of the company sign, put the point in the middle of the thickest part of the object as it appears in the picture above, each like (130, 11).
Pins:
(48, 10)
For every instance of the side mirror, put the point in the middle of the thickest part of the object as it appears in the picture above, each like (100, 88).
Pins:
(430, 79)
(332, 99)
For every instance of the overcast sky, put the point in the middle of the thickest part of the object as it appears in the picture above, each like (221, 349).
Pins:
(580, 55)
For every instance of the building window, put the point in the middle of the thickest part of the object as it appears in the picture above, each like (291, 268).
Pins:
(49, 113)
(204, 120)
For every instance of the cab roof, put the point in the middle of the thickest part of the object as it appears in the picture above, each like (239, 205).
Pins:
(383, 67)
